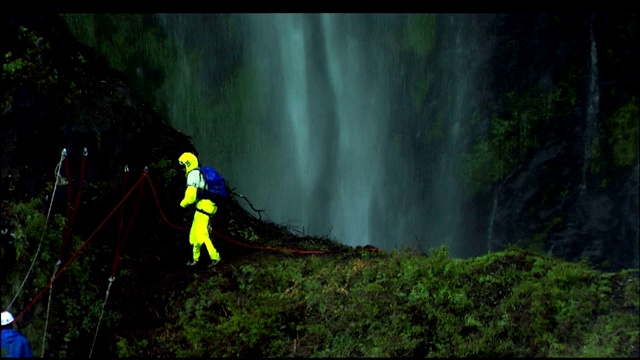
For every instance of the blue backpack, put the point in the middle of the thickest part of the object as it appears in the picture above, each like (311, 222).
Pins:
(216, 186)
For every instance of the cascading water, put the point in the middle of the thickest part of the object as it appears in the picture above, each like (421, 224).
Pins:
(333, 98)
(460, 60)
(320, 147)
(329, 101)
(578, 219)
(592, 114)
(490, 227)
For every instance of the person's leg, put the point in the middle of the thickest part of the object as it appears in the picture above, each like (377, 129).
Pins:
(193, 240)
(201, 222)
(213, 253)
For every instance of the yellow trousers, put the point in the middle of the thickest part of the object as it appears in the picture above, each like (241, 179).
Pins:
(199, 233)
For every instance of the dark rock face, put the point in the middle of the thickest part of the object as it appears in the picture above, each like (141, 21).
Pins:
(61, 95)
(67, 98)
(553, 201)
(541, 201)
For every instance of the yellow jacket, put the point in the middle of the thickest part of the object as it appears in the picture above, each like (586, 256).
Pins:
(194, 182)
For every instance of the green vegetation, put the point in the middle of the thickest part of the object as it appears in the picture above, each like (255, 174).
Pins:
(420, 33)
(32, 62)
(399, 304)
(166, 167)
(134, 44)
(222, 117)
(75, 306)
(552, 225)
(421, 90)
(616, 145)
(168, 75)
(347, 304)
(17, 66)
(128, 349)
(512, 303)
(624, 134)
(419, 37)
(513, 135)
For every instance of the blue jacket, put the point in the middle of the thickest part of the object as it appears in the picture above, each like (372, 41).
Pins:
(15, 345)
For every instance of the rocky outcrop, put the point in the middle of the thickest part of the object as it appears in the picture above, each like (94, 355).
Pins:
(60, 95)
(555, 201)
(540, 205)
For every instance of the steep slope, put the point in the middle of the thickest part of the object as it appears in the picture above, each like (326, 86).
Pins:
(263, 299)
(59, 95)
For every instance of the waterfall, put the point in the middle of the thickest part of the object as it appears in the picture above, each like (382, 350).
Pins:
(590, 140)
(329, 101)
(328, 139)
(491, 220)
(459, 60)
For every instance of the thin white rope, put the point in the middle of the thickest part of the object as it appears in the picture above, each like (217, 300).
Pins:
(44, 230)
(111, 279)
(46, 322)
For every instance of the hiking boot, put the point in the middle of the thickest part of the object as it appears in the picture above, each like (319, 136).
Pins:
(192, 263)
(214, 263)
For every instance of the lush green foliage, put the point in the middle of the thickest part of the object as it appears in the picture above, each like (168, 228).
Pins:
(166, 167)
(133, 44)
(420, 33)
(73, 307)
(29, 63)
(512, 303)
(155, 65)
(15, 63)
(624, 134)
(514, 134)
(351, 304)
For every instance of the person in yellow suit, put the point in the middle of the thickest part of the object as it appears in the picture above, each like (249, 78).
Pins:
(205, 208)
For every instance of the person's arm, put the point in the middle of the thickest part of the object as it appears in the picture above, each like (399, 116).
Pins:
(191, 193)
(189, 196)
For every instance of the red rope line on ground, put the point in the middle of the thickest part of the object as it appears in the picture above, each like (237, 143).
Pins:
(297, 251)
(136, 206)
(155, 196)
(124, 191)
(79, 249)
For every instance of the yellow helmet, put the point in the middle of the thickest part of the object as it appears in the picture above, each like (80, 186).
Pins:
(189, 161)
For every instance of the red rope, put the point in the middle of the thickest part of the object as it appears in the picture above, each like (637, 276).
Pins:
(79, 249)
(239, 243)
(126, 233)
(124, 191)
(123, 240)
(155, 195)
(121, 243)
